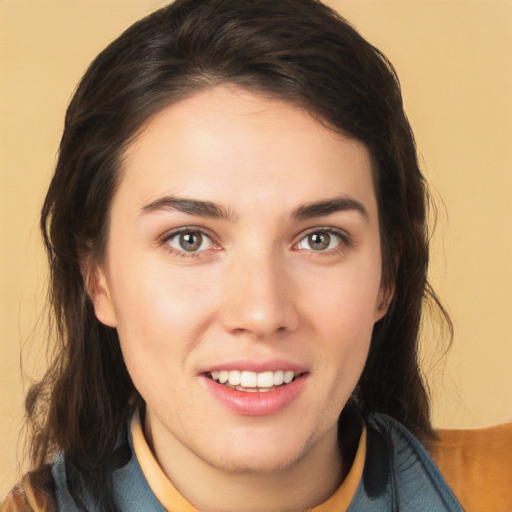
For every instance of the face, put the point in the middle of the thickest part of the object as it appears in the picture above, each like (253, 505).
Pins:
(243, 275)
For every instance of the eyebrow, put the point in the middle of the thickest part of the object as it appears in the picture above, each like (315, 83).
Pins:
(191, 207)
(212, 210)
(328, 207)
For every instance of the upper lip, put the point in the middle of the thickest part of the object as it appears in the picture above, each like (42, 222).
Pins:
(254, 366)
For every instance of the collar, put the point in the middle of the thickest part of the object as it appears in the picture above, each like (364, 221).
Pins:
(173, 501)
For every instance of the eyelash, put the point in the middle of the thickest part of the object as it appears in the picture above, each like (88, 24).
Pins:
(345, 241)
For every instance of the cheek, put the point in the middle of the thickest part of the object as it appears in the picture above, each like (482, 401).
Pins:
(342, 315)
(160, 312)
(343, 324)
(345, 303)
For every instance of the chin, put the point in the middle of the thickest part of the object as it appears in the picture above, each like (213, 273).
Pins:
(255, 463)
(253, 455)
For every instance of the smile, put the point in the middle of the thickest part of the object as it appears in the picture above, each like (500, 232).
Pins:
(253, 381)
(253, 393)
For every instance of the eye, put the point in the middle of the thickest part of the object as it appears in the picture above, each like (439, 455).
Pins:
(190, 241)
(320, 241)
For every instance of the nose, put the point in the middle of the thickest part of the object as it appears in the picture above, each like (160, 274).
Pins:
(258, 297)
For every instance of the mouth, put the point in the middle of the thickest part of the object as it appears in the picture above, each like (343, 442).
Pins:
(253, 382)
(263, 392)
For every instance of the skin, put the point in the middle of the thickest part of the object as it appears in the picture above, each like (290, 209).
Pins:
(257, 289)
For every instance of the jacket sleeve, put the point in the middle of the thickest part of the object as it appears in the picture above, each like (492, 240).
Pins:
(16, 501)
(34, 494)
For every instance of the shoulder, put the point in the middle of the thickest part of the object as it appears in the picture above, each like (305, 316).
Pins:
(405, 450)
(399, 472)
(477, 463)
(35, 493)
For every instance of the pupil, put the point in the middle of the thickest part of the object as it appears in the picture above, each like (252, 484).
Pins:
(319, 241)
(190, 241)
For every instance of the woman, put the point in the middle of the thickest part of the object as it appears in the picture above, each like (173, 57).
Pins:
(236, 231)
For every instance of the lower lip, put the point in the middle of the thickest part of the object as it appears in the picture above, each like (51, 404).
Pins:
(256, 403)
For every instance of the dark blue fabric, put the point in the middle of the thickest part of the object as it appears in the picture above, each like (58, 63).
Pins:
(398, 476)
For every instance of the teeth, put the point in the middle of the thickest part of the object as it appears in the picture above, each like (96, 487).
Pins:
(278, 377)
(251, 381)
(288, 377)
(265, 379)
(235, 377)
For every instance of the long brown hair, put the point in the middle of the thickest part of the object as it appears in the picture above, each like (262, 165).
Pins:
(299, 51)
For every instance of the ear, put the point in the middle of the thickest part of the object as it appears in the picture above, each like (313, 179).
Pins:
(384, 298)
(387, 285)
(98, 289)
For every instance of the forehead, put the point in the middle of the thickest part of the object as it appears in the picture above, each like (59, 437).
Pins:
(230, 145)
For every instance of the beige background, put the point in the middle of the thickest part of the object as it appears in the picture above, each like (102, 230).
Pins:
(454, 61)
